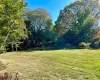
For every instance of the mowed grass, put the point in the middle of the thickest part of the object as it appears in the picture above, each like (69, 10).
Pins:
(54, 65)
(2, 66)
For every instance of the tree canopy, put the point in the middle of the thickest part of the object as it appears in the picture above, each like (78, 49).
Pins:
(78, 24)
(12, 26)
(40, 25)
(78, 21)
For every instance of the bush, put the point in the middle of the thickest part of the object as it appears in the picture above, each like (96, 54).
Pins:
(96, 44)
(83, 45)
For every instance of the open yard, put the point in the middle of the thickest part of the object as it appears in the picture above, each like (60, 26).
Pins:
(53, 65)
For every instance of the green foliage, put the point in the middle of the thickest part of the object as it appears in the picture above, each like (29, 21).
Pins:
(12, 26)
(96, 34)
(40, 26)
(97, 44)
(78, 21)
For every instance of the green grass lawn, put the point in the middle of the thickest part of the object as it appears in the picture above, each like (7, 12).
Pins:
(54, 65)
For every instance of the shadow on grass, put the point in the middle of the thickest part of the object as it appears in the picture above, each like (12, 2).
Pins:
(53, 49)
(49, 49)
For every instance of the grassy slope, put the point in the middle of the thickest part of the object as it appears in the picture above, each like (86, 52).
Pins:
(55, 65)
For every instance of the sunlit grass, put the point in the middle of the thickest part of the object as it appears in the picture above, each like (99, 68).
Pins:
(54, 65)
(2, 66)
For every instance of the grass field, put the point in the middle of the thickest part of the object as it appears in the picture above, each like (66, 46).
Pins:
(54, 65)
(2, 66)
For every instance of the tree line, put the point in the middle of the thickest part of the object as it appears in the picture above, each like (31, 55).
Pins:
(77, 26)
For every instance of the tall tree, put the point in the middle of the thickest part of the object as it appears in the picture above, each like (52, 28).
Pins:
(78, 20)
(12, 26)
(40, 25)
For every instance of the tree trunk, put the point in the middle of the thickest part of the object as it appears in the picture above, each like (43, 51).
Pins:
(4, 41)
(16, 47)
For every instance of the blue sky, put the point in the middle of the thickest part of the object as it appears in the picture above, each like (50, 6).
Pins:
(52, 6)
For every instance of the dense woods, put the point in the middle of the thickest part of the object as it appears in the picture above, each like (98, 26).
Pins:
(78, 23)
(77, 26)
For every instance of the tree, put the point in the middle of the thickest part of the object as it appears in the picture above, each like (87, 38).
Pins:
(96, 38)
(96, 34)
(12, 26)
(78, 20)
(40, 25)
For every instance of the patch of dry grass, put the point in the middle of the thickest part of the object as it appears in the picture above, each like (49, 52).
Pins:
(2, 66)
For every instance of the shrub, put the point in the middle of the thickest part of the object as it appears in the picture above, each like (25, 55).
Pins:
(96, 44)
(83, 45)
